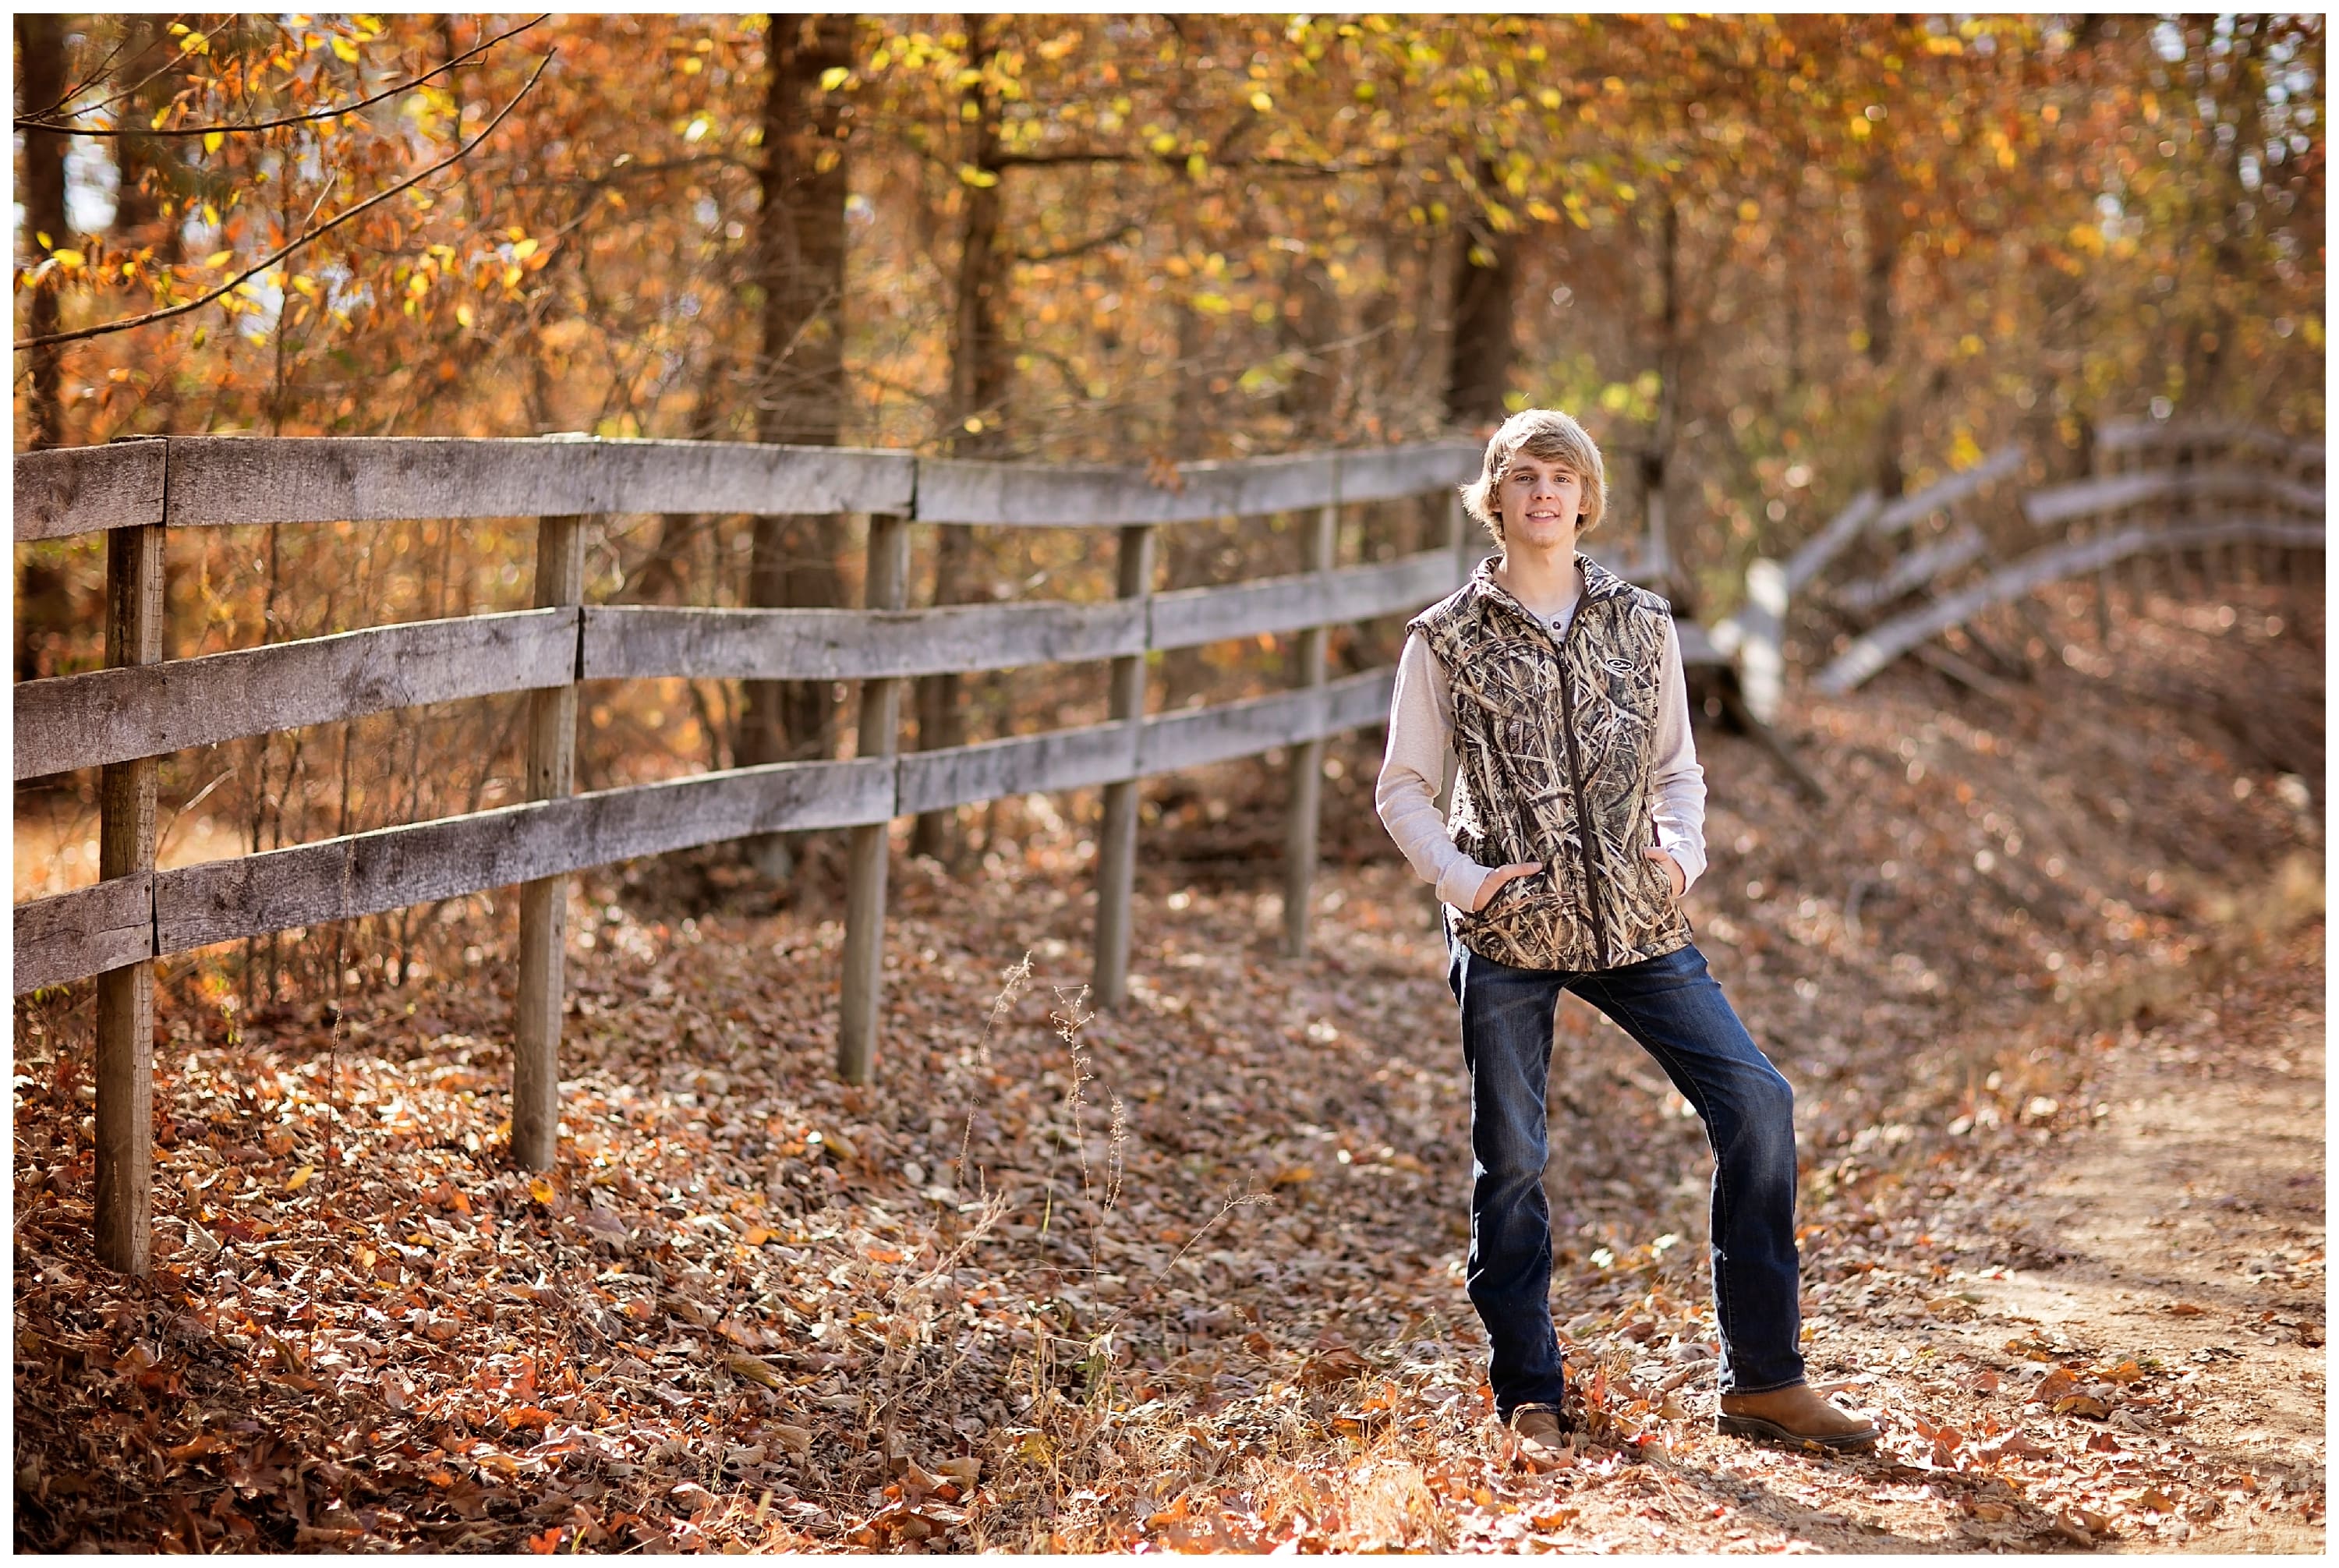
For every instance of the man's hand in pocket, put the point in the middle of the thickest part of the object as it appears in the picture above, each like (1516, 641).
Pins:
(1502, 874)
(1674, 873)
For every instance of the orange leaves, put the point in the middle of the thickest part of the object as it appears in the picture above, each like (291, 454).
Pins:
(1333, 1361)
(208, 1443)
(448, 1196)
(2053, 1386)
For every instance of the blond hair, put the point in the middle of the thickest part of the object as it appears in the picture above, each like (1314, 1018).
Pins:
(1553, 437)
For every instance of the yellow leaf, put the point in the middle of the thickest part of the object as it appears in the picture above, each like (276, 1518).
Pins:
(218, 258)
(757, 1235)
(755, 1369)
(524, 250)
(160, 116)
(214, 140)
(69, 260)
(980, 179)
(301, 1179)
(346, 50)
(539, 1190)
(43, 236)
(832, 78)
(463, 315)
(1261, 102)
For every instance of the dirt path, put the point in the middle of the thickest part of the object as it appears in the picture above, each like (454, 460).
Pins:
(2191, 1224)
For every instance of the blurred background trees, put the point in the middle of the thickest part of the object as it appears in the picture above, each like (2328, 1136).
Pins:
(1769, 261)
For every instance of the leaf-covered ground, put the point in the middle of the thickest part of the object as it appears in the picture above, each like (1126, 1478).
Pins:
(2048, 977)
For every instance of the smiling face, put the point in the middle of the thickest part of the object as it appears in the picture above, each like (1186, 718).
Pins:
(1541, 499)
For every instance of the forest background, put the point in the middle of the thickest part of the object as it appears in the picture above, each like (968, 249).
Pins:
(1769, 261)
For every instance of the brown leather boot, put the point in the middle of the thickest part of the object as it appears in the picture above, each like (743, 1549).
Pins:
(1541, 1439)
(1792, 1415)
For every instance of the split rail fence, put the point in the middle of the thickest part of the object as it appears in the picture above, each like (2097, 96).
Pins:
(142, 705)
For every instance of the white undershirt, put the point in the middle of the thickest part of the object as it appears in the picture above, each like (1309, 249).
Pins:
(1421, 739)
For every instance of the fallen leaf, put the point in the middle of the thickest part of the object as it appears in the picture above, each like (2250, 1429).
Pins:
(2186, 1309)
(1334, 1364)
(2053, 1386)
(540, 1189)
(301, 1179)
(2155, 1499)
(2072, 1528)
(795, 1439)
(756, 1370)
(2013, 1446)
(208, 1443)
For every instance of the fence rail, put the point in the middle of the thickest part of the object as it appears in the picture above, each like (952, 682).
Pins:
(142, 706)
(1872, 652)
(219, 481)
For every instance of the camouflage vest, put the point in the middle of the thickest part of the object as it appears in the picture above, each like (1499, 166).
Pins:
(1555, 740)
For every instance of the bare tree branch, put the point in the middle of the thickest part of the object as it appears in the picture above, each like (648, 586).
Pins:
(1125, 231)
(320, 232)
(35, 123)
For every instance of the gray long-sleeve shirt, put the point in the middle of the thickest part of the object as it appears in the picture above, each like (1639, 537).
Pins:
(1421, 739)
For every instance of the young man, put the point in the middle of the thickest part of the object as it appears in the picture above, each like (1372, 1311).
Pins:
(1577, 824)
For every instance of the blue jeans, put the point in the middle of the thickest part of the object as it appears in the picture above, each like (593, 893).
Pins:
(1675, 1009)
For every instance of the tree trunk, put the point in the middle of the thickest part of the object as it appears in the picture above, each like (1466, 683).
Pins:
(1883, 231)
(1481, 348)
(978, 388)
(799, 381)
(152, 172)
(41, 83)
(1656, 457)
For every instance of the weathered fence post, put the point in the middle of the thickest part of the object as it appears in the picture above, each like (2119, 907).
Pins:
(126, 996)
(544, 903)
(2099, 525)
(1117, 841)
(1306, 798)
(1762, 656)
(879, 736)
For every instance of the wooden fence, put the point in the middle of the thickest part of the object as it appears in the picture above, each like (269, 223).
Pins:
(2266, 490)
(142, 705)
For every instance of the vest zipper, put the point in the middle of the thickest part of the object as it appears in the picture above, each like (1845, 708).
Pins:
(1576, 779)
